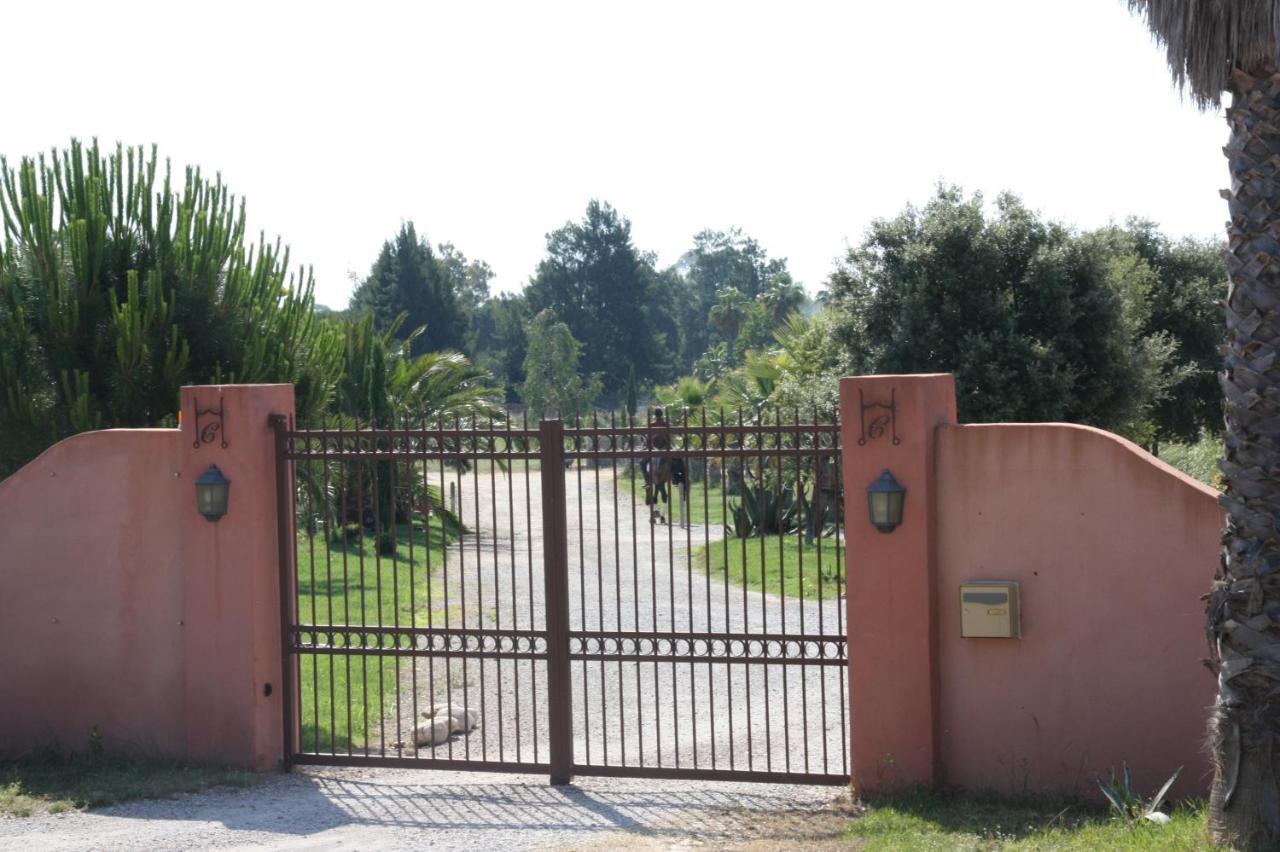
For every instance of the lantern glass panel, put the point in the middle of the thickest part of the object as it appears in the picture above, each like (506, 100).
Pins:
(879, 508)
(212, 493)
(895, 507)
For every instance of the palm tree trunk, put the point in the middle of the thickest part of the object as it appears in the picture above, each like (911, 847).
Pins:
(1243, 621)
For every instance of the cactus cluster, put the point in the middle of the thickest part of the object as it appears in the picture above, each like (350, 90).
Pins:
(117, 287)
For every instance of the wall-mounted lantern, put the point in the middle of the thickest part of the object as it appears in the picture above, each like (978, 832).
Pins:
(211, 493)
(884, 502)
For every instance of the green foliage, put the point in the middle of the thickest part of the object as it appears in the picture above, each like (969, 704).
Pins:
(408, 278)
(1198, 460)
(782, 297)
(773, 564)
(763, 509)
(469, 279)
(116, 289)
(51, 782)
(607, 294)
(1185, 304)
(1126, 804)
(729, 313)
(363, 579)
(722, 261)
(384, 385)
(689, 393)
(631, 395)
(384, 382)
(923, 820)
(500, 342)
(552, 384)
(1036, 321)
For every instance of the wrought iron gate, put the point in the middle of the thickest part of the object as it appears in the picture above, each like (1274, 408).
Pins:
(563, 617)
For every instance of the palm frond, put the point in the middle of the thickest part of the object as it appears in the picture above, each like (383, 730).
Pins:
(1206, 41)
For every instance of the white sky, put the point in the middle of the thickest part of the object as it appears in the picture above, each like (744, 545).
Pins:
(490, 124)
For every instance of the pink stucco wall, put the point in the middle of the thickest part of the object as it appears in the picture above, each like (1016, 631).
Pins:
(893, 697)
(1113, 550)
(123, 608)
(91, 567)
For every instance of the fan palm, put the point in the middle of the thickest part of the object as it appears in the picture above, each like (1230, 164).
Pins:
(729, 313)
(1216, 46)
(782, 297)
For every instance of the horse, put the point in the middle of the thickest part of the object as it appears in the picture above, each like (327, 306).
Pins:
(657, 490)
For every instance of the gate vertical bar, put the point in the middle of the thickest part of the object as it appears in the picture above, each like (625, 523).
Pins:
(284, 534)
(555, 574)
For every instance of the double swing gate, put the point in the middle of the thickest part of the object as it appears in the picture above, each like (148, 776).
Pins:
(501, 597)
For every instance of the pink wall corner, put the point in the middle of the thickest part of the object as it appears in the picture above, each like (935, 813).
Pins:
(90, 633)
(1112, 550)
(890, 587)
(231, 603)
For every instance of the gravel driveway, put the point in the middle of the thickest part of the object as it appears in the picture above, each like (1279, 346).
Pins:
(627, 575)
(388, 809)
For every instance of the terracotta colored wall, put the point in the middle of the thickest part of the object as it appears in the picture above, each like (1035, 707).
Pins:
(91, 568)
(1112, 550)
(231, 596)
(124, 608)
(893, 707)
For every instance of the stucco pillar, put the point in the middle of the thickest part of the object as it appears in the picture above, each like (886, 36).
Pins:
(889, 422)
(231, 595)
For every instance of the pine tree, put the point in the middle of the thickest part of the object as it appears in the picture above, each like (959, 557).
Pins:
(605, 291)
(408, 278)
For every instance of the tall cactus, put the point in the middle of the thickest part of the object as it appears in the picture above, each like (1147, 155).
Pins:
(116, 288)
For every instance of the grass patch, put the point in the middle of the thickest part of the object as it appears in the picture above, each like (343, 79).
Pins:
(354, 584)
(53, 784)
(775, 567)
(940, 821)
(1199, 460)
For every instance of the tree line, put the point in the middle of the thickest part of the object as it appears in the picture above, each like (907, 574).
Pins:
(119, 282)
(1116, 327)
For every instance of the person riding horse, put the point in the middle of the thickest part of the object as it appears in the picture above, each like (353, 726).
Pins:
(670, 470)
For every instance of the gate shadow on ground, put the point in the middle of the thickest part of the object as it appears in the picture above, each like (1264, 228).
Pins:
(460, 804)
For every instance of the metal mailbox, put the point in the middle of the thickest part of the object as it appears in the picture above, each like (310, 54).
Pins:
(989, 609)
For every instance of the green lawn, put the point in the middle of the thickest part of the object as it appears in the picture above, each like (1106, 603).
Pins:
(386, 592)
(52, 784)
(923, 821)
(775, 567)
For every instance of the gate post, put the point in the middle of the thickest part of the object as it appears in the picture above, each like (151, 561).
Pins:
(286, 541)
(555, 575)
(233, 694)
(889, 422)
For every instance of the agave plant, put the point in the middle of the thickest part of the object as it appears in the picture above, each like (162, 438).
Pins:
(1128, 805)
(765, 511)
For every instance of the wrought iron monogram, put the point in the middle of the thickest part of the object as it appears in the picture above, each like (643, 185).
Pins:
(873, 428)
(213, 429)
